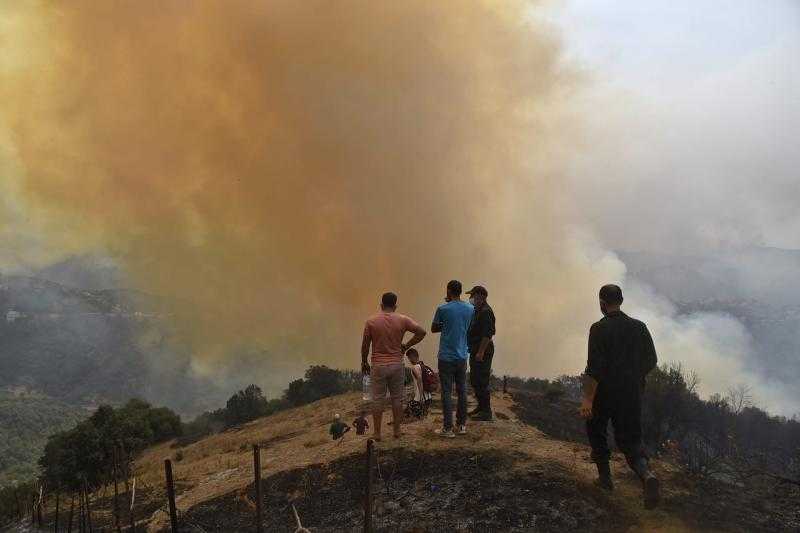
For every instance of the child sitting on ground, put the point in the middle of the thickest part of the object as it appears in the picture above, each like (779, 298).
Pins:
(421, 399)
(361, 423)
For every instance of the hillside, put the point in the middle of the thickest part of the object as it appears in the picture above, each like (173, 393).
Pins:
(503, 476)
(64, 350)
(26, 420)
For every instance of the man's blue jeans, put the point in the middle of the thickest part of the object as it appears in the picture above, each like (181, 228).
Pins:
(453, 373)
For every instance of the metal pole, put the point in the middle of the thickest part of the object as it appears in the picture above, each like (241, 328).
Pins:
(257, 476)
(370, 481)
(173, 514)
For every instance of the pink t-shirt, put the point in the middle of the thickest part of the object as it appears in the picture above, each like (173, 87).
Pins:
(386, 331)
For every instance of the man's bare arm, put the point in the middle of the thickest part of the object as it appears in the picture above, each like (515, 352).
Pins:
(365, 344)
(419, 334)
(436, 327)
(589, 391)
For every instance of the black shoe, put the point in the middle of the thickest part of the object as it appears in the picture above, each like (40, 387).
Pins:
(604, 483)
(604, 477)
(475, 411)
(652, 492)
(483, 416)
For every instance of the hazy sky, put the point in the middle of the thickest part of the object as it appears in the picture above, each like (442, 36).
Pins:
(694, 114)
(673, 127)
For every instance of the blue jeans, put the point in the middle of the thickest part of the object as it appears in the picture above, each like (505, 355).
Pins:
(451, 372)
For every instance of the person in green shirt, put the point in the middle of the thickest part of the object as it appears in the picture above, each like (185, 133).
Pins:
(338, 428)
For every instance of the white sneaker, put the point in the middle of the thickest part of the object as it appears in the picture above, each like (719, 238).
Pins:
(446, 433)
(462, 430)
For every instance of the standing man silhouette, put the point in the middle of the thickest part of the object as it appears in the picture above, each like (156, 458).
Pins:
(452, 320)
(621, 354)
(481, 352)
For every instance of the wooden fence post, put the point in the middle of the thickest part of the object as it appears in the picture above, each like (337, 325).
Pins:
(370, 482)
(39, 506)
(116, 490)
(257, 481)
(88, 508)
(81, 514)
(133, 499)
(173, 513)
(71, 511)
(55, 525)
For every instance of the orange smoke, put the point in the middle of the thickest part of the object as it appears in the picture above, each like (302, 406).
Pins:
(270, 168)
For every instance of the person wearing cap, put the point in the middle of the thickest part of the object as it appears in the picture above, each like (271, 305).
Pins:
(621, 354)
(384, 333)
(452, 320)
(481, 351)
(338, 428)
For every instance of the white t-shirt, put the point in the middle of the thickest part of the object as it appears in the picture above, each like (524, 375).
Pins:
(419, 390)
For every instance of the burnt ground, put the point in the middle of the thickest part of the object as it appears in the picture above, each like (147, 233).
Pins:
(101, 515)
(704, 503)
(456, 490)
(757, 506)
(557, 419)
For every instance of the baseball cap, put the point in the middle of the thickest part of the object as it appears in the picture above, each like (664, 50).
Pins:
(479, 289)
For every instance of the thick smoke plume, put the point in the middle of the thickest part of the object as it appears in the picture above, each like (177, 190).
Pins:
(270, 168)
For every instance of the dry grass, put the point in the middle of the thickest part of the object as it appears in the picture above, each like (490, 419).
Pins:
(223, 463)
(313, 443)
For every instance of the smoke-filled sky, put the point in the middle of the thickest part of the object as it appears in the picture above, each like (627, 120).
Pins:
(270, 168)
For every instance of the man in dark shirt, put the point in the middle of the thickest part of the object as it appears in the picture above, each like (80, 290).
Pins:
(481, 351)
(621, 354)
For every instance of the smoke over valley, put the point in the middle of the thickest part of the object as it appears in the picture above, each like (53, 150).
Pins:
(267, 169)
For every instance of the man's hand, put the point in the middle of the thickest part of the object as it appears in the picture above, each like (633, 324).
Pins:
(479, 356)
(365, 367)
(585, 409)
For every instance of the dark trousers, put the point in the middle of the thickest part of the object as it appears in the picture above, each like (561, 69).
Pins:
(623, 408)
(480, 373)
(451, 373)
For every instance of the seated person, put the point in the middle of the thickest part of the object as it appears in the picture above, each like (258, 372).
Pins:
(420, 399)
(361, 423)
(338, 428)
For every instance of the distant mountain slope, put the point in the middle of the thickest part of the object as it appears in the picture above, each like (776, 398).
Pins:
(766, 275)
(88, 345)
(26, 420)
(758, 286)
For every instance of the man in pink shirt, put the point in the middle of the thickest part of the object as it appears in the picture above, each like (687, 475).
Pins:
(384, 332)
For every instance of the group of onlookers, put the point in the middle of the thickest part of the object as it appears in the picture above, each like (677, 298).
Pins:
(466, 330)
(621, 354)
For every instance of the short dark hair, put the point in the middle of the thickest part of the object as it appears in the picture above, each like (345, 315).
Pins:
(412, 352)
(454, 287)
(389, 299)
(611, 294)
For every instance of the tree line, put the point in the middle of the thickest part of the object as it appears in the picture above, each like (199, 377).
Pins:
(86, 455)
